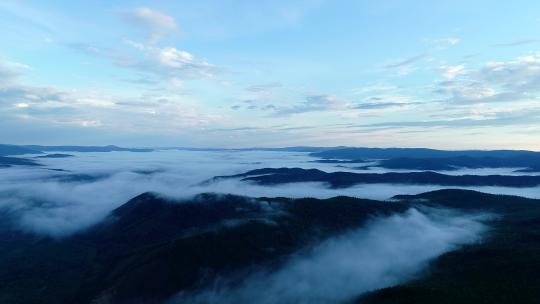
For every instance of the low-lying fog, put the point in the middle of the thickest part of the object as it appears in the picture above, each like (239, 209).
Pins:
(385, 252)
(59, 203)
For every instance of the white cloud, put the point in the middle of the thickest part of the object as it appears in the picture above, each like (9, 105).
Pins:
(92, 109)
(155, 23)
(313, 103)
(89, 123)
(10, 71)
(497, 81)
(450, 72)
(167, 62)
(447, 41)
(175, 58)
(182, 61)
(170, 63)
(22, 105)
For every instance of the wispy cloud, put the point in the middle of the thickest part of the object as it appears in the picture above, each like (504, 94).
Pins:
(264, 87)
(450, 72)
(10, 71)
(448, 40)
(524, 117)
(444, 43)
(497, 81)
(386, 101)
(312, 103)
(156, 24)
(404, 62)
(88, 48)
(92, 109)
(382, 105)
(169, 63)
(517, 43)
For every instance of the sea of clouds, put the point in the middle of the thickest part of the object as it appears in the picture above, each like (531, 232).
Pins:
(59, 203)
(67, 195)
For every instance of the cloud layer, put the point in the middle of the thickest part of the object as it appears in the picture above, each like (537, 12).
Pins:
(61, 203)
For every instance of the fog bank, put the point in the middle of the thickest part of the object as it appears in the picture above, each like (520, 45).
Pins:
(385, 252)
(59, 203)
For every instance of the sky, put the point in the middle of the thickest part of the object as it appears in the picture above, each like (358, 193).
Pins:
(441, 74)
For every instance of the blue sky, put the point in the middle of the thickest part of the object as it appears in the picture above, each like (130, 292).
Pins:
(443, 74)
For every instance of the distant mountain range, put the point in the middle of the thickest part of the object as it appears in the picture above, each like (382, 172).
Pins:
(388, 153)
(55, 155)
(390, 158)
(6, 150)
(284, 149)
(109, 148)
(275, 176)
(344, 153)
(530, 162)
(36, 149)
